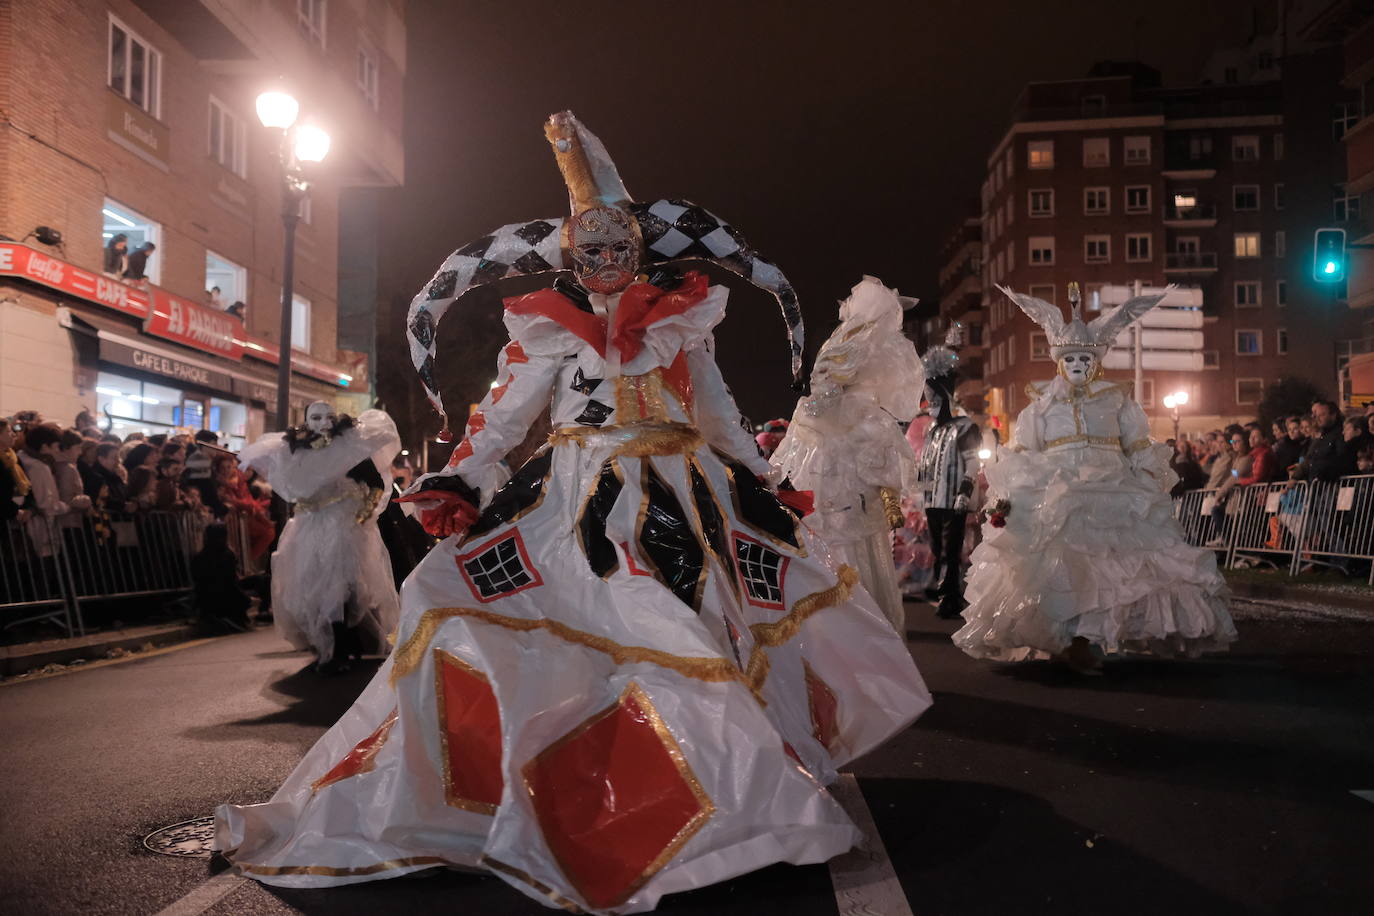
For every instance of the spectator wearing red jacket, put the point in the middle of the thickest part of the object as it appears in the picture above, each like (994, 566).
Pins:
(1265, 467)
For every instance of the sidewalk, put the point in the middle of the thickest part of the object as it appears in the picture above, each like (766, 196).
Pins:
(1329, 589)
(32, 656)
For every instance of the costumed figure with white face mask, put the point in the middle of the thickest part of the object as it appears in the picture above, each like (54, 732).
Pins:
(844, 444)
(625, 672)
(1081, 554)
(332, 589)
(946, 471)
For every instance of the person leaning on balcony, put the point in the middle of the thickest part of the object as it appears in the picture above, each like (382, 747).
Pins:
(116, 254)
(137, 267)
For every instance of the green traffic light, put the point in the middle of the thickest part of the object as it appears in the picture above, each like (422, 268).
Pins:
(1330, 267)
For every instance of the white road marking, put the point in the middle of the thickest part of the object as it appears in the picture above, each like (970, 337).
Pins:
(865, 882)
(1366, 794)
(205, 895)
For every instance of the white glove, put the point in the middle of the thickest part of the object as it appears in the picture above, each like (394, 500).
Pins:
(961, 503)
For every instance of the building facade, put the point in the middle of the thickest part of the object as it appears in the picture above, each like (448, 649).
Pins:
(961, 302)
(1110, 181)
(137, 118)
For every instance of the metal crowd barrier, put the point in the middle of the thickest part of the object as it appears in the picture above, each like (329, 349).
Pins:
(1289, 526)
(50, 567)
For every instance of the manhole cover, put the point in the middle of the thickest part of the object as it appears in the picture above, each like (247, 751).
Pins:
(190, 839)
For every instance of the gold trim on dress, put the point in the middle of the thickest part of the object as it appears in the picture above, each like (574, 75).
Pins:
(1136, 446)
(640, 397)
(511, 522)
(705, 807)
(453, 799)
(634, 440)
(709, 669)
(582, 509)
(332, 872)
(727, 570)
(797, 551)
(1113, 441)
(525, 877)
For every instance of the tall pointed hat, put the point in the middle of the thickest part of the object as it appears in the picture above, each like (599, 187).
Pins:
(1074, 335)
(671, 229)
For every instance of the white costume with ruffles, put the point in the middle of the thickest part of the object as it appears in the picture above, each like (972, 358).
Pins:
(844, 445)
(1090, 548)
(330, 566)
(630, 677)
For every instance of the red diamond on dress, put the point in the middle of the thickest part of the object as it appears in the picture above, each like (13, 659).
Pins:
(360, 759)
(470, 734)
(825, 708)
(616, 799)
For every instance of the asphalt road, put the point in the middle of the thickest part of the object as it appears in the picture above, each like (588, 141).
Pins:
(1217, 786)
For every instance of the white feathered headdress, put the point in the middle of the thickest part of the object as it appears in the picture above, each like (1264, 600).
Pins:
(1075, 336)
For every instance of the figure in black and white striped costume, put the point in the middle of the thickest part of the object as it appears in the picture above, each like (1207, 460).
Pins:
(946, 472)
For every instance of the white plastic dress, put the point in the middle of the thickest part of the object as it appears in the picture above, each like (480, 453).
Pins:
(631, 676)
(329, 567)
(844, 444)
(1090, 546)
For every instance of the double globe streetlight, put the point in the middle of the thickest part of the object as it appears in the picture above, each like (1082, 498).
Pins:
(300, 144)
(1174, 402)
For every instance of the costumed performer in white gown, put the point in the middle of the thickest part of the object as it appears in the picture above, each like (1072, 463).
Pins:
(844, 444)
(1081, 553)
(332, 589)
(624, 673)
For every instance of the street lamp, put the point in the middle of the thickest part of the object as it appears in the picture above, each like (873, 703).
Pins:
(300, 144)
(1174, 402)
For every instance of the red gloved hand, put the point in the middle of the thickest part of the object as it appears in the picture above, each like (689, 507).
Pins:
(442, 512)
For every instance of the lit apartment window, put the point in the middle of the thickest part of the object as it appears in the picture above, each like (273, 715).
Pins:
(1278, 146)
(1280, 244)
(1092, 296)
(1278, 196)
(136, 229)
(1282, 343)
(1138, 247)
(1185, 200)
(228, 139)
(1211, 359)
(1096, 201)
(1097, 249)
(1042, 202)
(1097, 152)
(225, 281)
(1280, 293)
(1247, 244)
(300, 323)
(1138, 198)
(1249, 343)
(1245, 148)
(1041, 250)
(367, 76)
(1345, 207)
(1249, 390)
(1136, 150)
(310, 20)
(135, 68)
(1345, 116)
(1247, 294)
(1040, 347)
(1040, 154)
(1245, 197)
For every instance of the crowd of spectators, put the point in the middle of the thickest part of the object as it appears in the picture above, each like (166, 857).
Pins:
(47, 471)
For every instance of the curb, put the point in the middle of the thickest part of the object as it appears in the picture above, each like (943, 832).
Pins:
(1305, 595)
(18, 659)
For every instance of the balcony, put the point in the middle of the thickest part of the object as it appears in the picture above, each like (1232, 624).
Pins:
(1184, 166)
(1198, 216)
(1190, 262)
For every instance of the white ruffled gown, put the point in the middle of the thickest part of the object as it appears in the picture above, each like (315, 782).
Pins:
(630, 677)
(328, 567)
(1090, 547)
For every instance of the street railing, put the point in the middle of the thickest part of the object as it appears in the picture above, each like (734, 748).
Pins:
(1289, 526)
(51, 567)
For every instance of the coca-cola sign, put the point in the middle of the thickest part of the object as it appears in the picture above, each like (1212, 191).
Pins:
(21, 261)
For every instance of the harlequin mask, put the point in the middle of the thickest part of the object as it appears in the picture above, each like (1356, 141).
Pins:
(606, 249)
(320, 417)
(1078, 366)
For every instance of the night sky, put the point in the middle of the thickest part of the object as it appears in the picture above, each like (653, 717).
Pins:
(840, 138)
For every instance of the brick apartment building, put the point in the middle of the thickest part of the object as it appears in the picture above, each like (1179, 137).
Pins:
(138, 117)
(1111, 180)
(961, 301)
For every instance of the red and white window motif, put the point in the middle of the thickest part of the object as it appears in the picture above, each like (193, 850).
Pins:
(761, 571)
(498, 568)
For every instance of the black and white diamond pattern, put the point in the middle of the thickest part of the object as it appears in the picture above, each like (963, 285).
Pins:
(498, 570)
(594, 414)
(582, 384)
(518, 249)
(760, 570)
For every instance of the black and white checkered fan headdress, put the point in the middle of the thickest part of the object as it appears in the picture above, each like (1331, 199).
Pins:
(671, 229)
